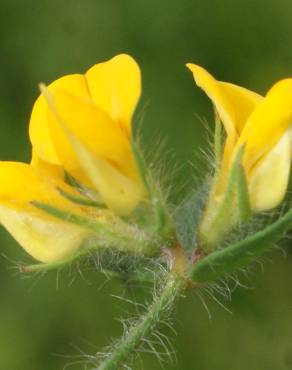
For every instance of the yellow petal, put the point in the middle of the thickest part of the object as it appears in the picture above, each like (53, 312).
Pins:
(47, 169)
(45, 238)
(94, 128)
(233, 103)
(267, 124)
(243, 101)
(20, 184)
(115, 86)
(119, 192)
(225, 165)
(268, 181)
(38, 128)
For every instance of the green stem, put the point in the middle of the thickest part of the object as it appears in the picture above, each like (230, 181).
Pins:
(134, 336)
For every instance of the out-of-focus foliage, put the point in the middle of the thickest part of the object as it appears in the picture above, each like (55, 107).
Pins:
(48, 322)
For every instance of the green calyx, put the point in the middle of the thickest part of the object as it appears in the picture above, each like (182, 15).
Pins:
(219, 217)
(161, 220)
(80, 200)
(125, 266)
(112, 233)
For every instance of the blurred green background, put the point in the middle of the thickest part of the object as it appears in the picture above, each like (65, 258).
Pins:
(49, 322)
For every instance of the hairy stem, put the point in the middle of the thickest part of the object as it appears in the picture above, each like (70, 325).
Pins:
(131, 340)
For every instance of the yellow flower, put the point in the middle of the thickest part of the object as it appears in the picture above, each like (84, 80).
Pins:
(81, 126)
(259, 130)
(44, 237)
(262, 126)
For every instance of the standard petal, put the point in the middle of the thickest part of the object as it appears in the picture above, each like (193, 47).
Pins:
(233, 103)
(38, 128)
(243, 101)
(20, 184)
(44, 237)
(94, 128)
(268, 181)
(51, 171)
(115, 86)
(118, 192)
(267, 124)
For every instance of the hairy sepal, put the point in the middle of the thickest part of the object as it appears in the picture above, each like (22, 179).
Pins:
(108, 232)
(187, 219)
(234, 208)
(162, 223)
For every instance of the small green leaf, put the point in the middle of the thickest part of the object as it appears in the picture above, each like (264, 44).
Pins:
(83, 190)
(115, 234)
(114, 264)
(142, 167)
(68, 216)
(217, 140)
(80, 199)
(187, 219)
(220, 221)
(128, 266)
(161, 215)
(44, 267)
(239, 255)
(163, 222)
(243, 195)
(70, 180)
